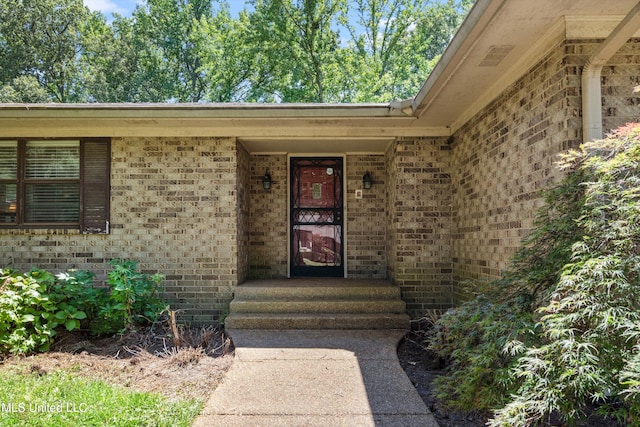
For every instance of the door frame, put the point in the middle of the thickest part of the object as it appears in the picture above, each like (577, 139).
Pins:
(343, 156)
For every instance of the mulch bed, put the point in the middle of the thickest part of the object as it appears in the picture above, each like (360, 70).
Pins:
(423, 367)
(150, 359)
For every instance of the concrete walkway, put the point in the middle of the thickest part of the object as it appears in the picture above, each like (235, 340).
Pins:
(316, 378)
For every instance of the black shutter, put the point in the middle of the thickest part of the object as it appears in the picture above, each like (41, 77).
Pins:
(95, 161)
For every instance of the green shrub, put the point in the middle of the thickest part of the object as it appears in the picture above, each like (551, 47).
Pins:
(590, 328)
(34, 305)
(473, 336)
(30, 312)
(560, 333)
(78, 287)
(133, 298)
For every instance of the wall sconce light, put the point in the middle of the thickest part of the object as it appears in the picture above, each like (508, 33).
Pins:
(266, 180)
(367, 181)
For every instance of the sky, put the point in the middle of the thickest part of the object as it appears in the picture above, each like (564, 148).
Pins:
(125, 7)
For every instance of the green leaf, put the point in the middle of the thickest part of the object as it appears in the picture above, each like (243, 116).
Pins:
(79, 315)
(61, 315)
(72, 324)
(28, 318)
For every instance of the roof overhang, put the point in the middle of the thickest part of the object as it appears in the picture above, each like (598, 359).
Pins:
(260, 127)
(498, 42)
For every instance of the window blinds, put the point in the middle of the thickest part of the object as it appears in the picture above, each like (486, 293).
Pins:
(52, 181)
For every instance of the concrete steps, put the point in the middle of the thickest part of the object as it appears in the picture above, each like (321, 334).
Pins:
(334, 304)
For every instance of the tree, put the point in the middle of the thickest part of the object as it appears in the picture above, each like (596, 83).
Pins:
(230, 61)
(590, 327)
(23, 89)
(41, 38)
(192, 51)
(175, 46)
(300, 43)
(120, 64)
(559, 334)
(396, 43)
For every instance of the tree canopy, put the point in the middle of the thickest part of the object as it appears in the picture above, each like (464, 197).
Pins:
(196, 51)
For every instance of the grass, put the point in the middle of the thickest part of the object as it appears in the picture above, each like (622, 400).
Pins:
(63, 399)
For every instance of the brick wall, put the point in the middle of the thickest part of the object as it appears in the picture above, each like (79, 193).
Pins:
(268, 218)
(174, 205)
(366, 226)
(505, 155)
(619, 77)
(440, 211)
(419, 222)
(365, 221)
(243, 178)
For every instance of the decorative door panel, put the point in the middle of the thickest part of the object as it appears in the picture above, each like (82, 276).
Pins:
(317, 217)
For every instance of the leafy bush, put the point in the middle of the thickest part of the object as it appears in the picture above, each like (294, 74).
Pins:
(34, 305)
(473, 336)
(31, 311)
(133, 298)
(74, 291)
(565, 322)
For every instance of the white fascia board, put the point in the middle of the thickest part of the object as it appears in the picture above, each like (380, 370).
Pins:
(173, 111)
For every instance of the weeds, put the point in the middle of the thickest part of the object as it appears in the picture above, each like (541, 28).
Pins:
(132, 299)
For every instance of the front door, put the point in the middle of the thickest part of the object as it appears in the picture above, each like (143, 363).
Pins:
(316, 217)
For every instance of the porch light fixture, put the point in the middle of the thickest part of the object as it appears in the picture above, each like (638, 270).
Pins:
(266, 180)
(367, 181)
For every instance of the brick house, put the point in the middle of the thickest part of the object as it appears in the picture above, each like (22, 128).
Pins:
(454, 172)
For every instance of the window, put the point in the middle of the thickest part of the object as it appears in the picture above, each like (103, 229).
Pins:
(55, 183)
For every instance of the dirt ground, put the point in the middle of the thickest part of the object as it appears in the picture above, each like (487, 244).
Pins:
(145, 360)
(422, 368)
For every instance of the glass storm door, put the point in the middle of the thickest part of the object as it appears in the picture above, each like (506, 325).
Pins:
(316, 217)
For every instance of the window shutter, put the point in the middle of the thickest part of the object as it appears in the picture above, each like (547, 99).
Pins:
(95, 175)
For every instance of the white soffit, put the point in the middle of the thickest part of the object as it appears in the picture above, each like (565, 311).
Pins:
(497, 44)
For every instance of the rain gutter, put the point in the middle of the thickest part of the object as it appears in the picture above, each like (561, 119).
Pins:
(440, 75)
